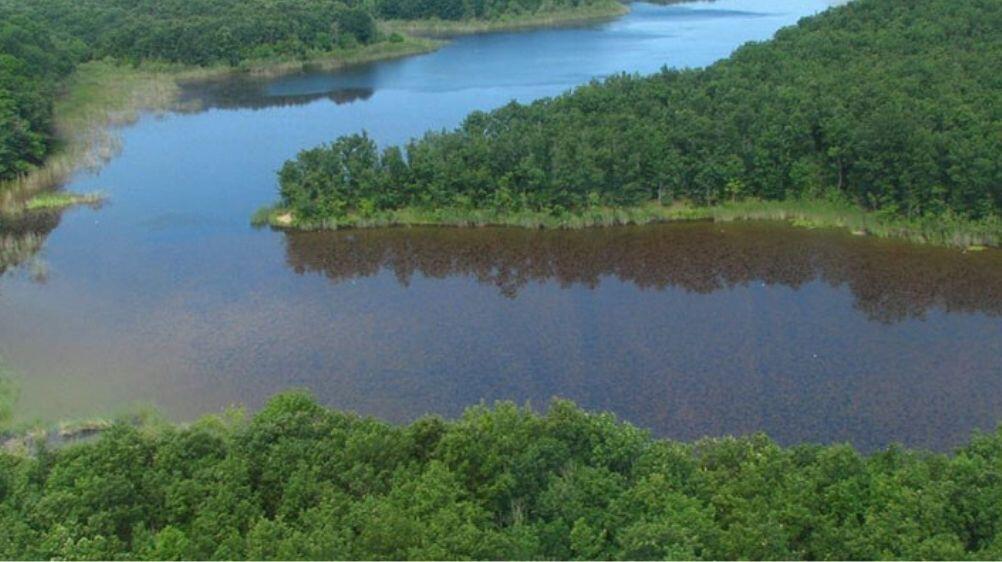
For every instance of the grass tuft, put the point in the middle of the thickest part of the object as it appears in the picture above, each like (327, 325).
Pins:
(62, 200)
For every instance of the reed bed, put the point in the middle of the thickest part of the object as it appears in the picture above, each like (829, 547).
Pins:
(943, 231)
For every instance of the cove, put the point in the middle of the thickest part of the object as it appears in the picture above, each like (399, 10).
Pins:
(166, 295)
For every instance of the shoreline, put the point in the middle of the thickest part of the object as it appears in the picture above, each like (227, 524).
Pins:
(957, 233)
(436, 28)
(104, 95)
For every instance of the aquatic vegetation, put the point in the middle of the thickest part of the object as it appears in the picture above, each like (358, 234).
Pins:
(946, 229)
(62, 200)
(454, 216)
(942, 230)
(300, 481)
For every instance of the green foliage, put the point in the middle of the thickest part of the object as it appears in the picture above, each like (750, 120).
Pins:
(886, 104)
(455, 10)
(8, 397)
(300, 481)
(201, 32)
(31, 61)
(41, 41)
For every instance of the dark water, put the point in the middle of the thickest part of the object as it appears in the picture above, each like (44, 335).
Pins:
(167, 296)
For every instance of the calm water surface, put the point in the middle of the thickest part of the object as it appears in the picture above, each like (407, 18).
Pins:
(167, 296)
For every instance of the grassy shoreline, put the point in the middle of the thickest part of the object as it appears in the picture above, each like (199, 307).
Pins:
(557, 18)
(953, 232)
(101, 96)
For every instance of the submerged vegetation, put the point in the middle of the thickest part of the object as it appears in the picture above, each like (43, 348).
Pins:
(884, 106)
(299, 481)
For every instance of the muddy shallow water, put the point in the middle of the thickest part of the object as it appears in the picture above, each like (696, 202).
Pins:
(167, 296)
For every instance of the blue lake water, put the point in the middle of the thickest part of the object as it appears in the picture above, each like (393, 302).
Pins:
(167, 296)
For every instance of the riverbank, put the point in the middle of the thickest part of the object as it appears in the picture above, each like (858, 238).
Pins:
(98, 97)
(101, 96)
(943, 231)
(558, 18)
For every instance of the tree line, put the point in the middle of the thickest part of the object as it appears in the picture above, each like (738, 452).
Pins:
(889, 104)
(453, 10)
(299, 481)
(41, 41)
(32, 61)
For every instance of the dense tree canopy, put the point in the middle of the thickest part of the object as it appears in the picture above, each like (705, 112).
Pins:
(468, 9)
(31, 63)
(301, 481)
(42, 40)
(210, 31)
(889, 104)
(203, 31)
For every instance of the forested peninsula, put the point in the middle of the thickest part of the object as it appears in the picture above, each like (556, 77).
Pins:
(128, 55)
(300, 481)
(878, 115)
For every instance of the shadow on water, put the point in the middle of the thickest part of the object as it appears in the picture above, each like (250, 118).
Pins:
(890, 281)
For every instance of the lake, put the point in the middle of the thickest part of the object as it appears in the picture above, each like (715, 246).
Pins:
(167, 296)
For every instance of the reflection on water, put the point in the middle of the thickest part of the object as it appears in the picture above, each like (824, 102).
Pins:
(169, 296)
(889, 281)
(22, 237)
(253, 93)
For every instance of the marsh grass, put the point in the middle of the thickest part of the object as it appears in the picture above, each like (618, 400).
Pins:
(453, 216)
(944, 231)
(62, 200)
(101, 96)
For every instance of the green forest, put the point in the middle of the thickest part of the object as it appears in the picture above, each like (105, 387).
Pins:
(32, 62)
(41, 41)
(300, 481)
(886, 105)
